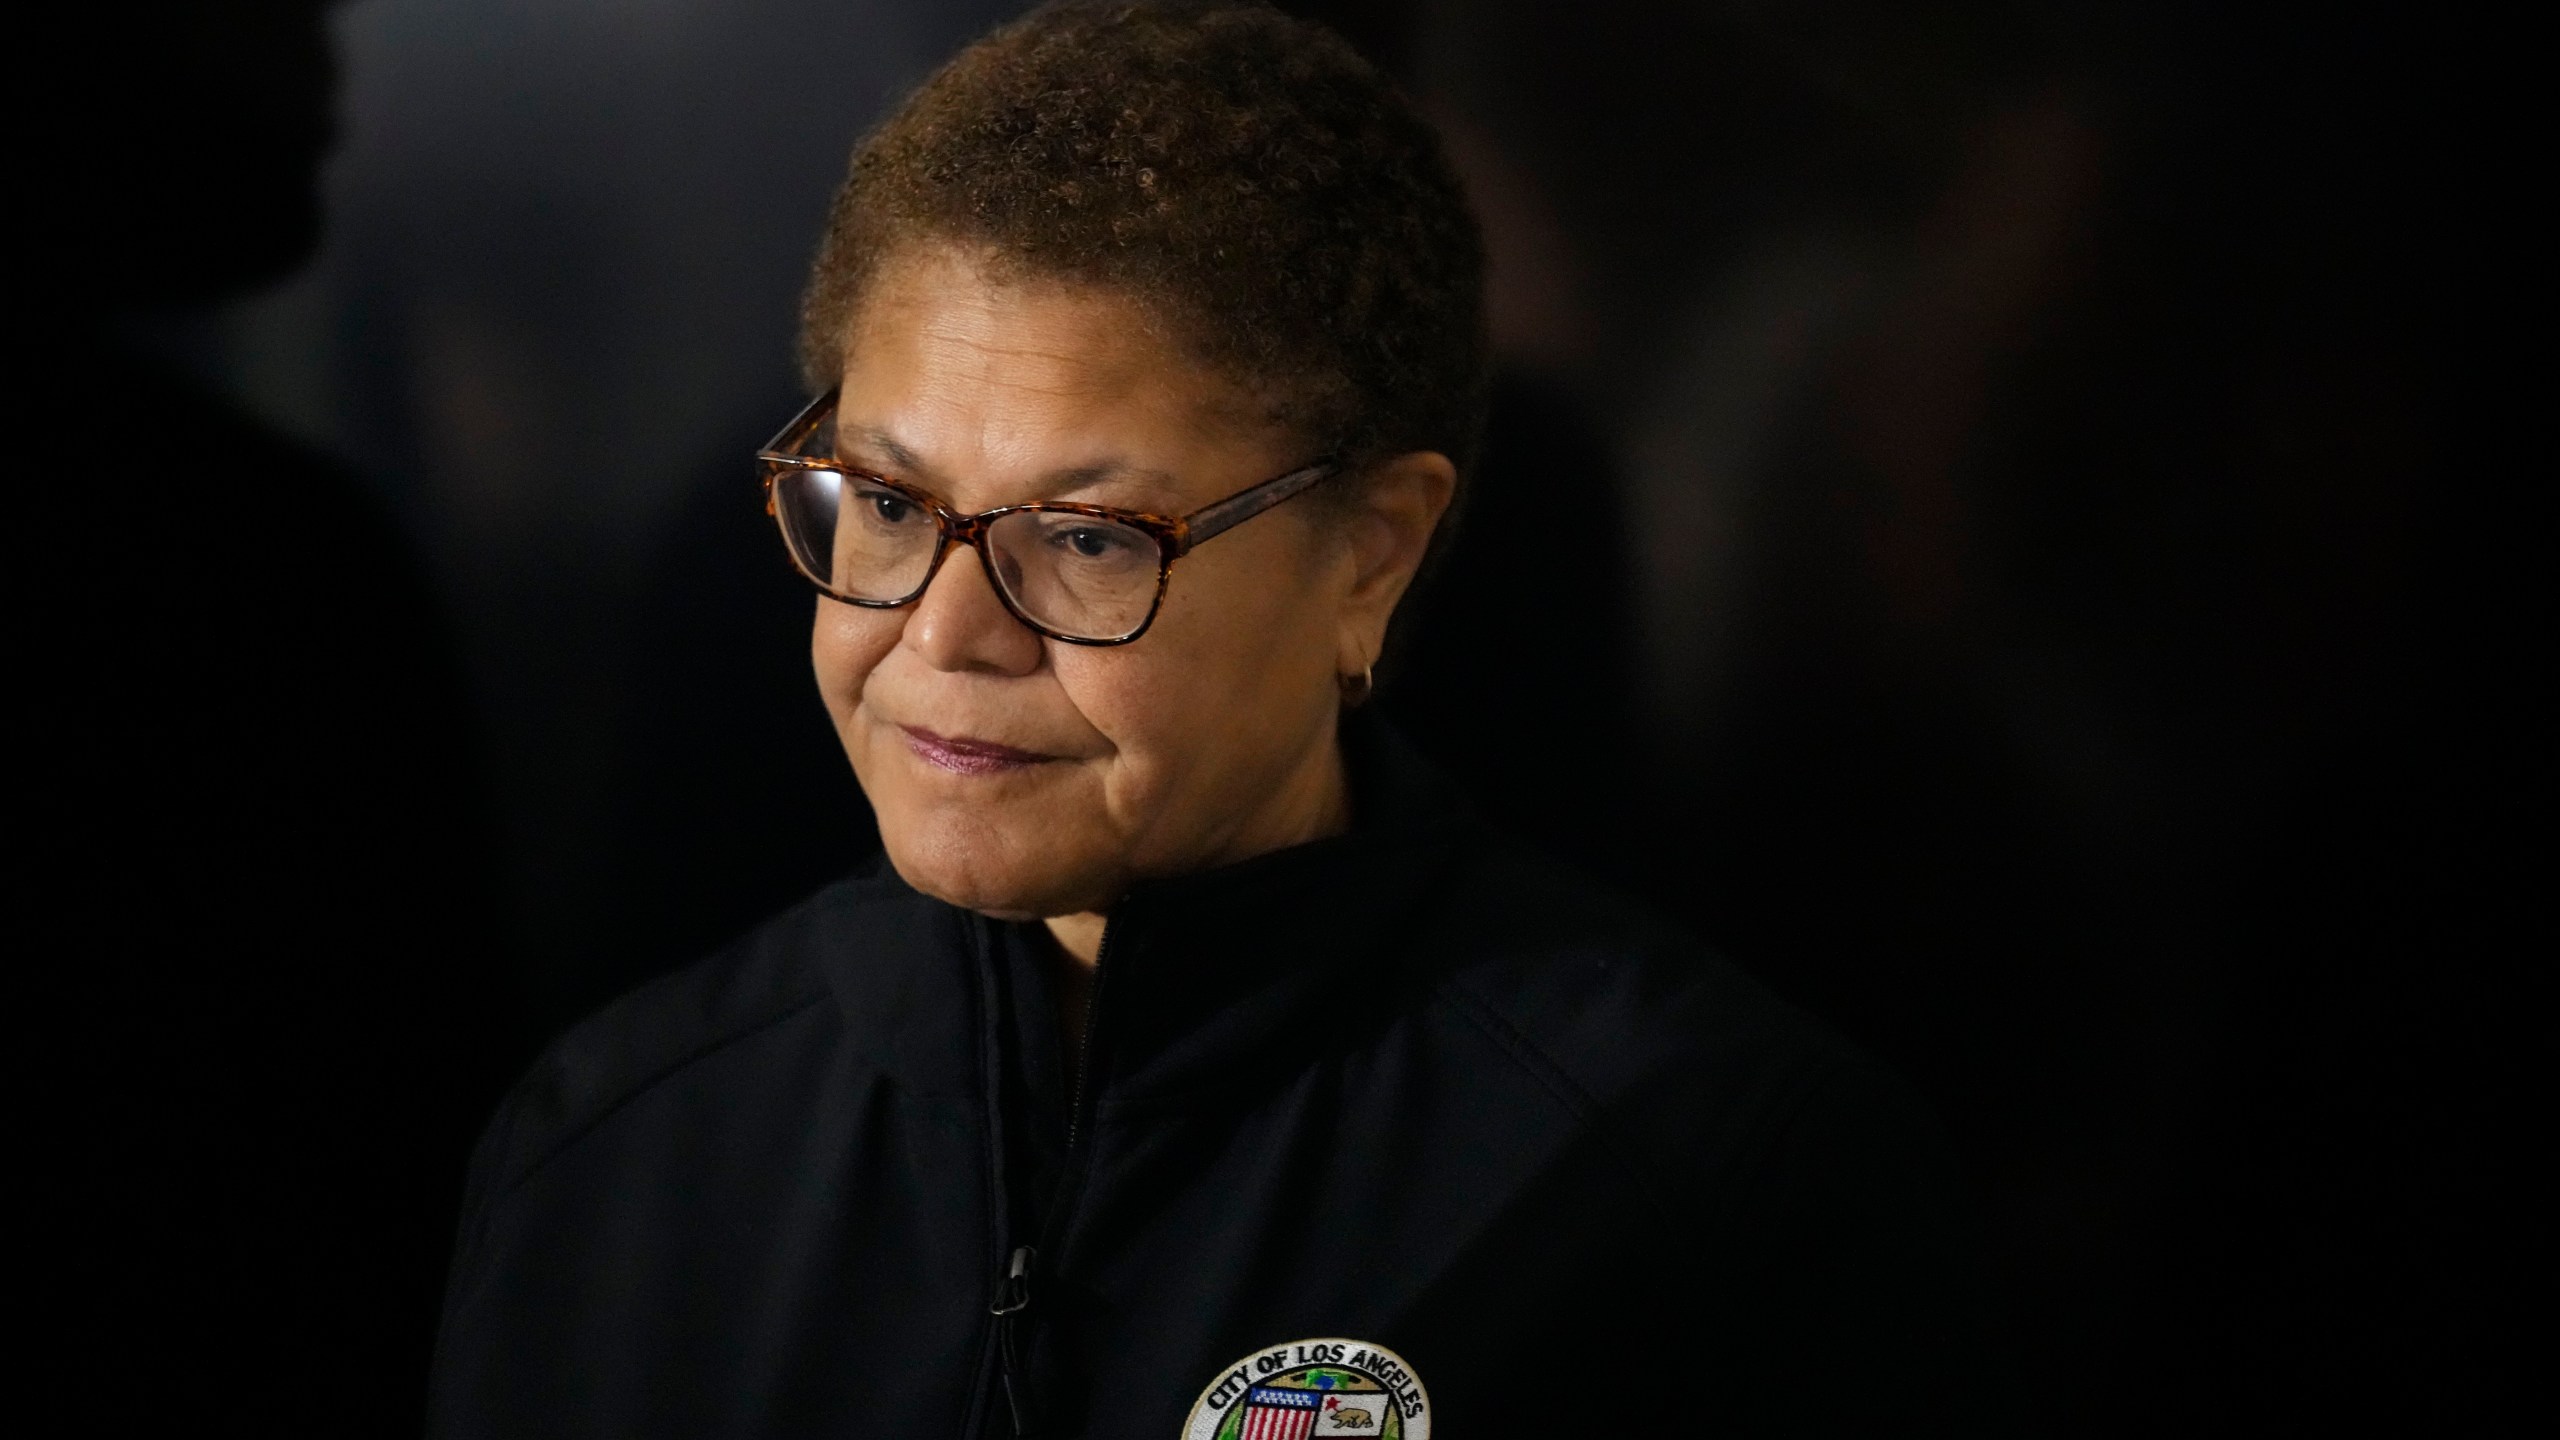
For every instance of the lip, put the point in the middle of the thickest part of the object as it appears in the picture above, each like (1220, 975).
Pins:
(964, 756)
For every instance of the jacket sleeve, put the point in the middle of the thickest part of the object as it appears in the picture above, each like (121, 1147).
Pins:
(1869, 1307)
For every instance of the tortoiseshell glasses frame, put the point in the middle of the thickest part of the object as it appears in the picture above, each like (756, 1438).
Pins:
(789, 459)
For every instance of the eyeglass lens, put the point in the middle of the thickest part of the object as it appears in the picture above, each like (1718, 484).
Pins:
(1079, 575)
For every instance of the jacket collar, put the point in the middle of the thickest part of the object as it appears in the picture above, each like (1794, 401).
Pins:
(1216, 980)
(903, 966)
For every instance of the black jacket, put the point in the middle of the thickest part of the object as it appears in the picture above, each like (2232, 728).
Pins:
(1411, 1086)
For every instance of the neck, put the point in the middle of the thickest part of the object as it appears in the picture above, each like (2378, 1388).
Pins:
(1079, 935)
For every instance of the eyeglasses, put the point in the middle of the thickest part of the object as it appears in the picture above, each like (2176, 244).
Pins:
(1085, 574)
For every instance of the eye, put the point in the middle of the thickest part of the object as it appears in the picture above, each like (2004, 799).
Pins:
(1091, 542)
(886, 507)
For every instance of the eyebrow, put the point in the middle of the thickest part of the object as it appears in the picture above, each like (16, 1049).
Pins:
(1056, 484)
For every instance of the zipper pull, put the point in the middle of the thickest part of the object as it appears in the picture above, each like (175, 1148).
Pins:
(1013, 1296)
(1015, 1291)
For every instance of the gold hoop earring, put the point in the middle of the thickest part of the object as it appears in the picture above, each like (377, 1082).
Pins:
(1356, 688)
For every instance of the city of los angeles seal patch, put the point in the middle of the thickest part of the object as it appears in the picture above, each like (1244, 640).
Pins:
(1313, 1387)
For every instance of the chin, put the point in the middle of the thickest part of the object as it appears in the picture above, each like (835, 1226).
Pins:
(1019, 871)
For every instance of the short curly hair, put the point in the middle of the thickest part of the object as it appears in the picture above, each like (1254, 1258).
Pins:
(1246, 177)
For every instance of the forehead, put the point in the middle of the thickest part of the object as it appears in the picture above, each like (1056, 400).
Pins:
(962, 373)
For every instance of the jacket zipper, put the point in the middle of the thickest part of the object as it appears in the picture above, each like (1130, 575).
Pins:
(1080, 1104)
(1013, 1296)
(1013, 1287)
(1013, 1261)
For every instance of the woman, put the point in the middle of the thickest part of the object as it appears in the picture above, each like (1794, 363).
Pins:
(1195, 1065)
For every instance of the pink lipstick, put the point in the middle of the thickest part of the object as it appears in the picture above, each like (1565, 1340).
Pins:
(962, 756)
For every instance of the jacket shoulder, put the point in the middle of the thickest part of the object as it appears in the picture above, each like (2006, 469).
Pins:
(775, 974)
(1603, 984)
(1632, 1023)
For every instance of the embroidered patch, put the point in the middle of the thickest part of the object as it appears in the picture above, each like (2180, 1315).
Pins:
(1314, 1387)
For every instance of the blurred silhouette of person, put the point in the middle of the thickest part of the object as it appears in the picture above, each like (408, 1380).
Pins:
(260, 957)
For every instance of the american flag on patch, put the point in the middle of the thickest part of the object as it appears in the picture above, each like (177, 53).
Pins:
(1273, 1413)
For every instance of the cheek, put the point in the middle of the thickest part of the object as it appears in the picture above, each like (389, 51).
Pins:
(1240, 663)
(846, 642)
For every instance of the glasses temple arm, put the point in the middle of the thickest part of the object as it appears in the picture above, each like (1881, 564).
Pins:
(792, 436)
(1227, 514)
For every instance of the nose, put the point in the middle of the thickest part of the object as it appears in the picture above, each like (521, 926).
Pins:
(959, 623)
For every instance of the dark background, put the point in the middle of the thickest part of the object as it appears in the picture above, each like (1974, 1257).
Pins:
(1988, 517)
